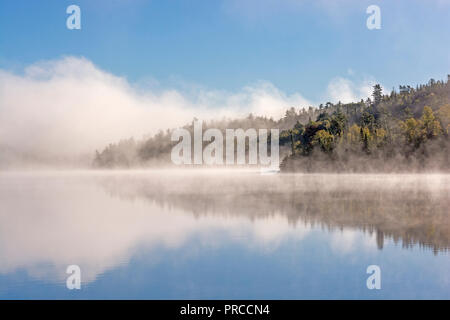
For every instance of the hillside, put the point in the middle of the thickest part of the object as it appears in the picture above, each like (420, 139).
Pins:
(403, 130)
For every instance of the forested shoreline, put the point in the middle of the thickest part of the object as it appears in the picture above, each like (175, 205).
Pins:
(405, 130)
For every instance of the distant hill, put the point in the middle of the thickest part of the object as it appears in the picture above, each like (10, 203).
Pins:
(403, 130)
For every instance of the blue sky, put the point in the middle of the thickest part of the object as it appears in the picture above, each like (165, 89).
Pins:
(298, 46)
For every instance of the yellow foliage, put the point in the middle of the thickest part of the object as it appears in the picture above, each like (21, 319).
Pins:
(366, 135)
(353, 134)
(411, 129)
(430, 126)
(324, 139)
(444, 115)
(380, 134)
(417, 131)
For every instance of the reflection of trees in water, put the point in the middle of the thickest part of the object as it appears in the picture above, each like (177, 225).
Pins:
(413, 209)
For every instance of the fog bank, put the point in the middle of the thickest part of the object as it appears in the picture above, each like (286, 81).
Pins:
(69, 106)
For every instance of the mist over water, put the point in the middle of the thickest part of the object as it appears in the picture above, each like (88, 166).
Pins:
(233, 150)
(214, 233)
(58, 112)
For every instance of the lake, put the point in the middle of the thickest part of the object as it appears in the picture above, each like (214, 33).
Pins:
(223, 234)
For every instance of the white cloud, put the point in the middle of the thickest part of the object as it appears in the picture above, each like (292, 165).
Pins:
(70, 106)
(346, 90)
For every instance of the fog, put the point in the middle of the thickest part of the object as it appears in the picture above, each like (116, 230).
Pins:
(67, 107)
(100, 219)
(58, 112)
(74, 219)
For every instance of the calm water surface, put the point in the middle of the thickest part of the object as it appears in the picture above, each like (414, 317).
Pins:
(223, 234)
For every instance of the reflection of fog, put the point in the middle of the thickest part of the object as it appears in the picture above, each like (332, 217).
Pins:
(407, 208)
(49, 222)
(99, 220)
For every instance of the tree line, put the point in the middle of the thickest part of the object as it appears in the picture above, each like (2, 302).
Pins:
(408, 127)
(404, 130)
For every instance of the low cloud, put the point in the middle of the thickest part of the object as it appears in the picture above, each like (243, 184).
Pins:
(70, 106)
(346, 90)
